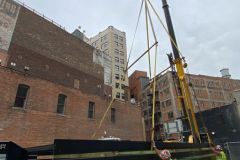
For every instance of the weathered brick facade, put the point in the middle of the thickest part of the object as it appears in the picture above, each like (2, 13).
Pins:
(207, 92)
(50, 61)
(135, 85)
(54, 54)
(38, 123)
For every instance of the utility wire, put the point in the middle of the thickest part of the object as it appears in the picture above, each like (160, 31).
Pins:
(135, 32)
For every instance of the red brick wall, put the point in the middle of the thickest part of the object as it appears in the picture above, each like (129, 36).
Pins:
(54, 54)
(55, 71)
(38, 123)
(41, 36)
(135, 85)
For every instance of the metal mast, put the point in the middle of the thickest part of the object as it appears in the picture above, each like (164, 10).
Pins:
(184, 88)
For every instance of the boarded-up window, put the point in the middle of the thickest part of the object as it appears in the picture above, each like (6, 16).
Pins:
(76, 83)
(21, 96)
(61, 103)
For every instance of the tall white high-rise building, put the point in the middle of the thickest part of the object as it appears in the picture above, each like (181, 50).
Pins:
(113, 43)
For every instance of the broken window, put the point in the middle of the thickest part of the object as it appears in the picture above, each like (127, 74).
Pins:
(21, 96)
(61, 103)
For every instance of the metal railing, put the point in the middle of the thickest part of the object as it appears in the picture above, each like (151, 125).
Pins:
(40, 14)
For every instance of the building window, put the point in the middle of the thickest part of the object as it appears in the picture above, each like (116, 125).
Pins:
(116, 76)
(105, 51)
(117, 59)
(117, 85)
(122, 69)
(121, 45)
(21, 96)
(116, 51)
(117, 67)
(103, 38)
(120, 38)
(113, 115)
(123, 96)
(61, 103)
(168, 102)
(117, 95)
(121, 53)
(170, 115)
(163, 104)
(104, 45)
(122, 78)
(91, 110)
(122, 86)
(116, 43)
(122, 61)
(115, 36)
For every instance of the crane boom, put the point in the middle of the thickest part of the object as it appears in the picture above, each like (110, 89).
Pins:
(184, 88)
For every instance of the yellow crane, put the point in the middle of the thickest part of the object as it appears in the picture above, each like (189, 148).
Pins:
(178, 61)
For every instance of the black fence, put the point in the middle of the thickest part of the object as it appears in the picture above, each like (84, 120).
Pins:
(104, 150)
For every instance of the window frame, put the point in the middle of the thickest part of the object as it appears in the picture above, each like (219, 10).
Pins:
(123, 96)
(63, 105)
(117, 85)
(117, 76)
(117, 59)
(113, 115)
(91, 104)
(118, 95)
(21, 97)
(121, 61)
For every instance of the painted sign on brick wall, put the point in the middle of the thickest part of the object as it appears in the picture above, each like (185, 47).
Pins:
(8, 17)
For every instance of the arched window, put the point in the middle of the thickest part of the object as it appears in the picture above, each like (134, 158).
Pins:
(21, 96)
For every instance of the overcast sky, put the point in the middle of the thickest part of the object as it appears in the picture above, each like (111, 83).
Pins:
(207, 31)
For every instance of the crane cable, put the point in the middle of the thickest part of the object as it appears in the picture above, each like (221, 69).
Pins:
(135, 32)
(165, 28)
(147, 31)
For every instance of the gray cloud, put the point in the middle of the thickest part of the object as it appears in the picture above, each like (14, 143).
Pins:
(208, 32)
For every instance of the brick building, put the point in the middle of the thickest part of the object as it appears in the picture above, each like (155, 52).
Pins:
(113, 43)
(137, 82)
(50, 86)
(207, 92)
